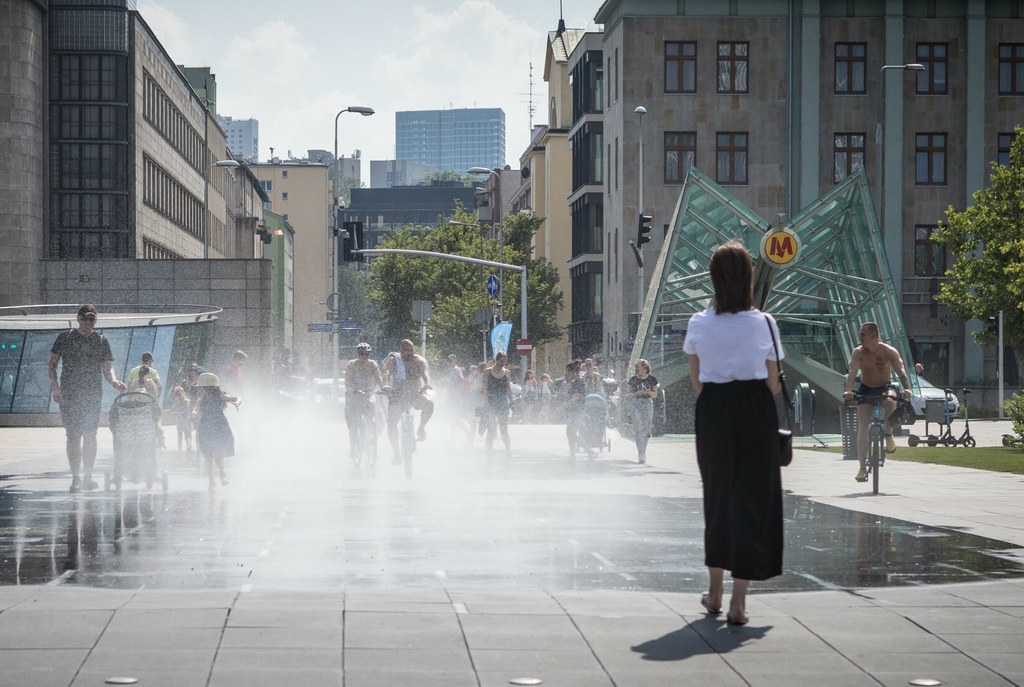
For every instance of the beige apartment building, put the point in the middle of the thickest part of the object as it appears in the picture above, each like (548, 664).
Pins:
(300, 193)
(547, 177)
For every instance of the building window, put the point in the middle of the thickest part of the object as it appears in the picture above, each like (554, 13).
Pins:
(930, 159)
(847, 155)
(732, 67)
(284, 196)
(268, 185)
(680, 152)
(680, 67)
(851, 60)
(284, 173)
(731, 158)
(1011, 69)
(1003, 143)
(929, 257)
(932, 81)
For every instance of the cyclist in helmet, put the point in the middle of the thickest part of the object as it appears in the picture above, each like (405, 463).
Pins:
(362, 377)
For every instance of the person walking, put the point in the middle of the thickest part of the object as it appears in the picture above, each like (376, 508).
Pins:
(154, 376)
(734, 370)
(575, 392)
(531, 397)
(85, 360)
(182, 409)
(643, 387)
(213, 433)
(497, 390)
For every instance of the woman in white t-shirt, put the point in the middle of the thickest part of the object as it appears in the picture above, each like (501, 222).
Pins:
(734, 370)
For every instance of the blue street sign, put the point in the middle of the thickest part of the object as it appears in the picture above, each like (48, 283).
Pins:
(322, 327)
(492, 285)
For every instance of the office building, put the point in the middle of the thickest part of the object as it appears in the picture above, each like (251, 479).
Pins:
(451, 140)
(243, 137)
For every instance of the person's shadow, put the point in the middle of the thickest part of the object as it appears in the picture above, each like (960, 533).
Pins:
(705, 636)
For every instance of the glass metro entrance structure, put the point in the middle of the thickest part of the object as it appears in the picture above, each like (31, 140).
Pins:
(839, 279)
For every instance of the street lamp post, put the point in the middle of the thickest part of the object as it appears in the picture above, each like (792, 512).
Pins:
(335, 326)
(206, 202)
(891, 242)
(640, 112)
(501, 246)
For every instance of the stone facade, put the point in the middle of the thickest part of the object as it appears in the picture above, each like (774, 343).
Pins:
(22, 150)
(241, 288)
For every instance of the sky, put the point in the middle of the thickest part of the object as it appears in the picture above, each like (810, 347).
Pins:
(294, 65)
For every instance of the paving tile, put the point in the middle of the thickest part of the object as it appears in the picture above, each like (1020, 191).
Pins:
(973, 620)
(402, 631)
(52, 629)
(520, 632)
(184, 677)
(40, 667)
(529, 662)
(562, 678)
(389, 678)
(410, 661)
(116, 659)
(282, 636)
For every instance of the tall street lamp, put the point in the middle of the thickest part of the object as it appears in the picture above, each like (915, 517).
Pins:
(640, 111)
(892, 243)
(335, 326)
(206, 202)
(501, 225)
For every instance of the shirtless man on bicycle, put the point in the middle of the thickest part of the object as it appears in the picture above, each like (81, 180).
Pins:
(362, 377)
(409, 378)
(876, 362)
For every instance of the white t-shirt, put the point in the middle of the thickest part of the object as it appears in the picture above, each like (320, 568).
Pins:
(731, 346)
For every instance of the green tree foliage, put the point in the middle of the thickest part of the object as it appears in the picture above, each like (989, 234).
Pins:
(456, 289)
(986, 241)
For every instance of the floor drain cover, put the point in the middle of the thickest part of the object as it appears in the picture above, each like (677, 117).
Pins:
(525, 681)
(925, 682)
(121, 680)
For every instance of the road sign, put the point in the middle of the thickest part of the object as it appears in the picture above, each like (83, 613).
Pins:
(321, 327)
(524, 346)
(492, 285)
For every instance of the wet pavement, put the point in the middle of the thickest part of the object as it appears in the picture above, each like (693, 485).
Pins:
(313, 522)
(482, 573)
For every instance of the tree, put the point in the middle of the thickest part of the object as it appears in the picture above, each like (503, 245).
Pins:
(456, 289)
(986, 241)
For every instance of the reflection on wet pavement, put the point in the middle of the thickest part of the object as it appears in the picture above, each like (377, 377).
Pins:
(533, 524)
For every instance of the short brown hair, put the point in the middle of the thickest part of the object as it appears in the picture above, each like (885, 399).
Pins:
(732, 276)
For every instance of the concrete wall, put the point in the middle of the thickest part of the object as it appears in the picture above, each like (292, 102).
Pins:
(22, 150)
(241, 288)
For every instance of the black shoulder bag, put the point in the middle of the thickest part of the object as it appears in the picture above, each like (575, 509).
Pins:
(786, 433)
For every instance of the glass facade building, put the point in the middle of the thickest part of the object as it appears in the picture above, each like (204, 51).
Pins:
(451, 140)
(175, 336)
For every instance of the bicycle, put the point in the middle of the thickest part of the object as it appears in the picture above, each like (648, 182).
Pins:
(364, 430)
(406, 429)
(876, 436)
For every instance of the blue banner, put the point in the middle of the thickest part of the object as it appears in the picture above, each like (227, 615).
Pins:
(500, 336)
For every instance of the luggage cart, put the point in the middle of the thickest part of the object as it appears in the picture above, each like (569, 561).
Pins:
(134, 418)
(939, 412)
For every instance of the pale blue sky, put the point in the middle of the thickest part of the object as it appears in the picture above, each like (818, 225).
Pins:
(294, 65)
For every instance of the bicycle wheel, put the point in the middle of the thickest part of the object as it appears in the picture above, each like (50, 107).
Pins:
(408, 441)
(875, 448)
(370, 440)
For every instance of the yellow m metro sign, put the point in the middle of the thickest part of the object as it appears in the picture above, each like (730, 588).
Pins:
(780, 247)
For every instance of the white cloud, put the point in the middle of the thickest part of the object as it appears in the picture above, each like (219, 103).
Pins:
(172, 32)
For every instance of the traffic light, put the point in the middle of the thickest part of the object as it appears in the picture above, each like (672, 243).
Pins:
(643, 230)
(993, 325)
(354, 241)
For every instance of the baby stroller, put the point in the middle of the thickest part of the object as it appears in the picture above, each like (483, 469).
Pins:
(134, 417)
(592, 428)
